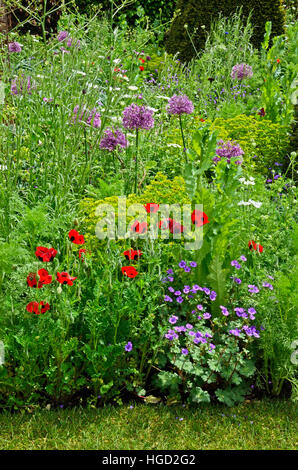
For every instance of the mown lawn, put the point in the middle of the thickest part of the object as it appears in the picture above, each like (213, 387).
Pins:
(267, 424)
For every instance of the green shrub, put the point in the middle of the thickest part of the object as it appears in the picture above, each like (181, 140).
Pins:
(266, 140)
(198, 18)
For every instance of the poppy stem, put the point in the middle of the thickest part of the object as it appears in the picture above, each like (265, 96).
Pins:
(136, 160)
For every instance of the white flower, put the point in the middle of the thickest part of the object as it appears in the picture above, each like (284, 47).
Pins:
(127, 96)
(116, 61)
(163, 97)
(3, 167)
(255, 203)
(79, 72)
(244, 203)
(174, 145)
(152, 109)
(132, 87)
(251, 180)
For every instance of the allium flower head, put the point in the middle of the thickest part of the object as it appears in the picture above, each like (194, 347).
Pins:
(90, 118)
(113, 138)
(180, 104)
(137, 117)
(241, 71)
(14, 47)
(62, 35)
(227, 150)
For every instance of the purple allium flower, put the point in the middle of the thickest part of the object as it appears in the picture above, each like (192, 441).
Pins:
(242, 257)
(14, 47)
(113, 138)
(180, 104)
(182, 264)
(224, 310)
(128, 346)
(193, 264)
(168, 299)
(253, 289)
(184, 351)
(137, 117)
(90, 118)
(241, 71)
(173, 319)
(266, 284)
(62, 35)
(207, 315)
(228, 150)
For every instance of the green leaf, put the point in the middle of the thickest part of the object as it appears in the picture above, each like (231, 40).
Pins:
(197, 395)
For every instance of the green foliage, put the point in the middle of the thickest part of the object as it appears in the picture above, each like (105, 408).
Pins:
(188, 40)
(262, 141)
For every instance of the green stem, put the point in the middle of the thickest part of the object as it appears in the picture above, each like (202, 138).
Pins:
(136, 160)
(183, 139)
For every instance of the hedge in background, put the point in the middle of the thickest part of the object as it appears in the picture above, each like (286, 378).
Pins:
(199, 14)
(151, 8)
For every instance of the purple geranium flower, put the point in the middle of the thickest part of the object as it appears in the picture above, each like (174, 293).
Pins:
(128, 346)
(253, 289)
(184, 351)
(207, 315)
(173, 319)
(168, 299)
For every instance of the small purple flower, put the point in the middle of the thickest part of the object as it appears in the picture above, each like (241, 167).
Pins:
(211, 346)
(242, 257)
(237, 280)
(137, 117)
(235, 264)
(195, 288)
(182, 264)
(170, 271)
(266, 284)
(224, 310)
(235, 332)
(180, 104)
(14, 47)
(128, 346)
(200, 307)
(189, 326)
(180, 300)
(186, 289)
(207, 315)
(193, 264)
(212, 295)
(168, 299)
(177, 292)
(171, 289)
(187, 269)
(184, 351)
(251, 311)
(170, 279)
(206, 290)
(253, 289)
(173, 319)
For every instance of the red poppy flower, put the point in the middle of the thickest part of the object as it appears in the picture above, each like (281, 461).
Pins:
(132, 254)
(202, 120)
(116, 69)
(37, 308)
(252, 245)
(141, 68)
(45, 254)
(81, 251)
(176, 227)
(65, 278)
(262, 112)
(76, 238)
(166, 224)
(142, 60)
(278, 61)
(199, 218)
(151, 208)
(129, 271)
(44, 278)
(138, 227)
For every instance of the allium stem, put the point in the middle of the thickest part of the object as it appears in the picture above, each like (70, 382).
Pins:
(183, 140)
(136, 160)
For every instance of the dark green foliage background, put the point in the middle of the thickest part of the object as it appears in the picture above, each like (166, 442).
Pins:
(196, 13)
